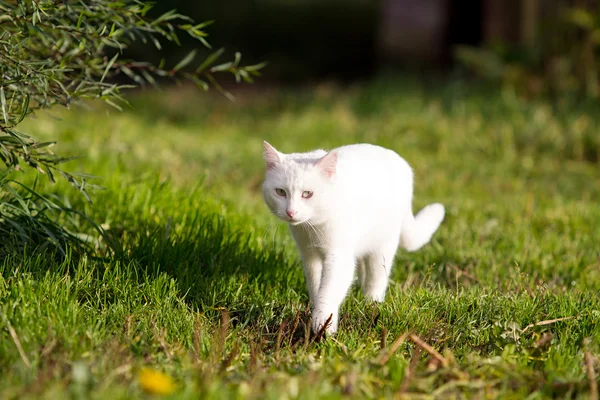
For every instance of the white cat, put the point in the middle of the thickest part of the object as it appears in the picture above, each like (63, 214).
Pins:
(348, 207)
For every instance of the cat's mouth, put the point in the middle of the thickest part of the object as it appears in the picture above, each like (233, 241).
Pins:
(294, 221)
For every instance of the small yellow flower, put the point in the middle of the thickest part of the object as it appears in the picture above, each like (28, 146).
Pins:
(156, 382)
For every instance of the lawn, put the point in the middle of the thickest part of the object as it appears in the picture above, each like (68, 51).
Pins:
(207, 292)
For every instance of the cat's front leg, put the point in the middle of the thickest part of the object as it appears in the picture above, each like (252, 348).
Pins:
(313, 268)
(312, 260)
(336, 279)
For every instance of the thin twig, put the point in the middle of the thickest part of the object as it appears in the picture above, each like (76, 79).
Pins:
(547, 322)
(429, 349)
(410, 371)
(296, 321)
(307, 331)
(197, 340)
(222, 338)
(387, 353)
(160, 336)
(279, 338)
(465, 273)
(322, 332)
(48, 347)
(589, 367)
(15, 338)
(227, 361)
(253, 356)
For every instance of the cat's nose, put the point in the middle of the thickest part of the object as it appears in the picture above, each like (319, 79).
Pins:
(290, 213)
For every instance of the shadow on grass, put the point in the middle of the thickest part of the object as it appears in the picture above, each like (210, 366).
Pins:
(218, 267)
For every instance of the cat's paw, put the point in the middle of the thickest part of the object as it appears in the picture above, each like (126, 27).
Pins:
(377, 296)
(327, 319)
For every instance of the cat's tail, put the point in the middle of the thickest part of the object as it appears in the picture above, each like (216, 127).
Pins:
(417, 230)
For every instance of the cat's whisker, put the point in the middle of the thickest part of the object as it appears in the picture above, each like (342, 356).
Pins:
(311, 238)
(266, 231)
(317, 240)
(272, 227)
(275, 233)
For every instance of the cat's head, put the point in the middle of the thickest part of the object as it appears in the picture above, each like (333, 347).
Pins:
(297, 186)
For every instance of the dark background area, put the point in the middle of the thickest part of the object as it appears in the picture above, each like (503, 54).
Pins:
(537, 47)
(305, 40)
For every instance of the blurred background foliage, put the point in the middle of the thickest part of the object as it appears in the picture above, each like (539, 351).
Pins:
(536, 47)
(302, 40)
(560, 57)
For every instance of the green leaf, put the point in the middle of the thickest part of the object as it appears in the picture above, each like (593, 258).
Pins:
(16, 195)
(185, 61)
(108, 66)
(204, 42)
(255, 67)
(79, 20)
(222, 67)
(24, 108)
(246, 76)
(43, 144)
(3, 102)
(210, 60)
(199, 82)
(204, 24)
(149, 78)
(113, 104)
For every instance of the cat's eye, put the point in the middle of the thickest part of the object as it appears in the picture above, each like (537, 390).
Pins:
(280, 192)
(307, 194)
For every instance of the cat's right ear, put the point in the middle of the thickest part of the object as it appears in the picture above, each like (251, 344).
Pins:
(328, 163)
(271, 155)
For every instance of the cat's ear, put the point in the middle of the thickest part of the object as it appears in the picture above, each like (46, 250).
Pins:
(327, 164)
(271, 155)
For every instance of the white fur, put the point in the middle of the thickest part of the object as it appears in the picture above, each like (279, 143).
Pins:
(359, 212)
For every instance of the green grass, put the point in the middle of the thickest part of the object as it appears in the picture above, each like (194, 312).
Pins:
(208, 287)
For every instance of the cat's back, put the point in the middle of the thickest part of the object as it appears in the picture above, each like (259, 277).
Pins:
(369, 158)
(374, 186)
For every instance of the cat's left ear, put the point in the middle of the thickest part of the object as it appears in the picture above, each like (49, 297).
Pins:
(271, 155)
(327, 164)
